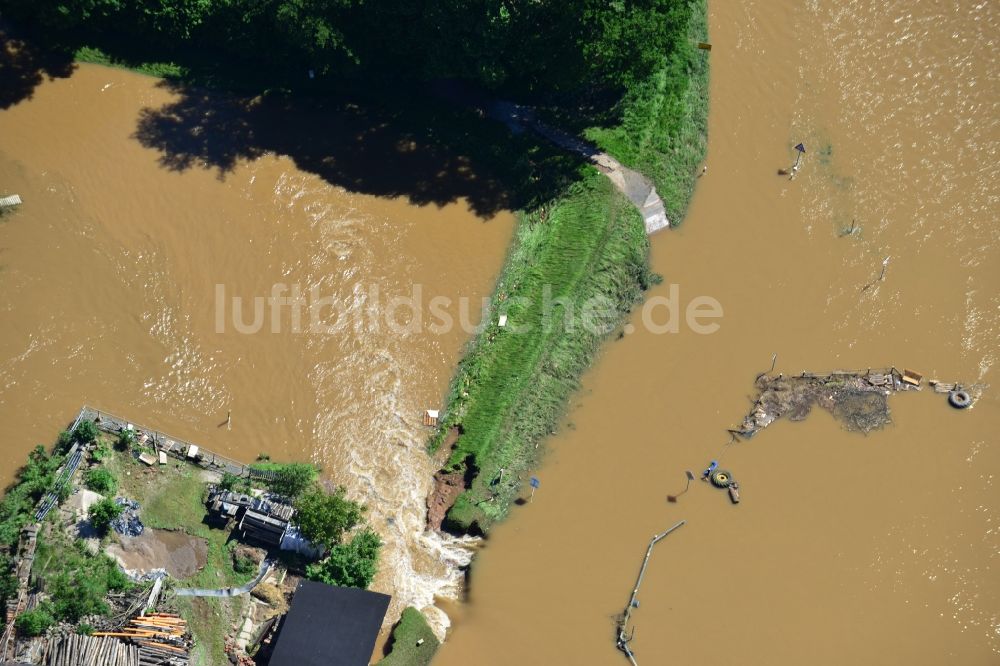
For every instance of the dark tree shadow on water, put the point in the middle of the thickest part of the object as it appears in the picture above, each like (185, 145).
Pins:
(409, 145)
(24, 66)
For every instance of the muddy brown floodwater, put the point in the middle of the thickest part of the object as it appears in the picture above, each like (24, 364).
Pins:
(846, 548)
(109, 278)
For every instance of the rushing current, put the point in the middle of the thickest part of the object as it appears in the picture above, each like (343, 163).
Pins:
(119, 276)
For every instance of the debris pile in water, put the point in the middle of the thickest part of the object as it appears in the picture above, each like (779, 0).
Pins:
(857, 399)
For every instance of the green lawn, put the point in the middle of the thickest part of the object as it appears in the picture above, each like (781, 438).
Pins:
(172, 497)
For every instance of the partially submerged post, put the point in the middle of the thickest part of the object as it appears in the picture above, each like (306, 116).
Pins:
(690, 477)
(623, 636)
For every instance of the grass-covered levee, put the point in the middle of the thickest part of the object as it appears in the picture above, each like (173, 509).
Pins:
(586, 246)
(575, 270)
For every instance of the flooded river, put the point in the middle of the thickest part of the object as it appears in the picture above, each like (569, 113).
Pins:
(111, 274)
(846, 548)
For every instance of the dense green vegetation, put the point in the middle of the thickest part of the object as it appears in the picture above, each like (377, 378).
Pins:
(663, 128)
(33, 480)
(411, 628)
(291, 479)
(324, 517)
(35, 621)
(558, 45)
(75, 579)
(85, 432)
(102, 513)
(350, 564)
(100, 480)
(589, 247)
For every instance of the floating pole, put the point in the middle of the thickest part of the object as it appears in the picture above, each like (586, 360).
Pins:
(229, 420)
(623, 635)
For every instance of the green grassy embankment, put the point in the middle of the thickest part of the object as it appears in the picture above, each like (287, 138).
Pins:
(164, 70)
(663, 129)
(513, 384)
(511, 389)
(411, 628)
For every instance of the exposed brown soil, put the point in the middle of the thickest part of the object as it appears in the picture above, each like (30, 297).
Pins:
(447, 488)
(180, 554)
(256, 555)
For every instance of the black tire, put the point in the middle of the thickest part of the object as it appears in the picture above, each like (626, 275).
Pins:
(721, 478)
(959, 399)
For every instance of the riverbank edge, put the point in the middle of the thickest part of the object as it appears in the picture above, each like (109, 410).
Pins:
(495, 463)
(512, 385)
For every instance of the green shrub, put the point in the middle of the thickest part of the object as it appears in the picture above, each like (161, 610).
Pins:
(64, 441)
(291, 479)
(86, 432)
(36, 621)
(18, 504)
(126, 439)
(84, 629)
(244, 565)
(324, 517)
(101, 480)
(351, 564)
(8, 582)
(102, 513)
(100, 453)
(76, 580)
(235, 483)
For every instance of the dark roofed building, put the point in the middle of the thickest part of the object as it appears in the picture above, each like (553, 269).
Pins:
(329, 626)
(263, 528)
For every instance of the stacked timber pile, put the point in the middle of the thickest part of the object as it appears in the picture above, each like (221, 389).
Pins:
(77, 650)
(162, 639)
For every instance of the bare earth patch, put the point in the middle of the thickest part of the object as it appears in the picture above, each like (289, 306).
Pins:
(180, 554)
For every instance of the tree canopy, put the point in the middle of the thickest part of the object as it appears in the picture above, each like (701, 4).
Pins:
(324, 517)
(102, 513)
(529, 46)
(351, 564)
(100, 480)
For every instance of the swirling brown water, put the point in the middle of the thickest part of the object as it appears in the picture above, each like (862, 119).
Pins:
(846, 548)
(109, 274)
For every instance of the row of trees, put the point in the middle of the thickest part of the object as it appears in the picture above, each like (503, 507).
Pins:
(550, 45)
